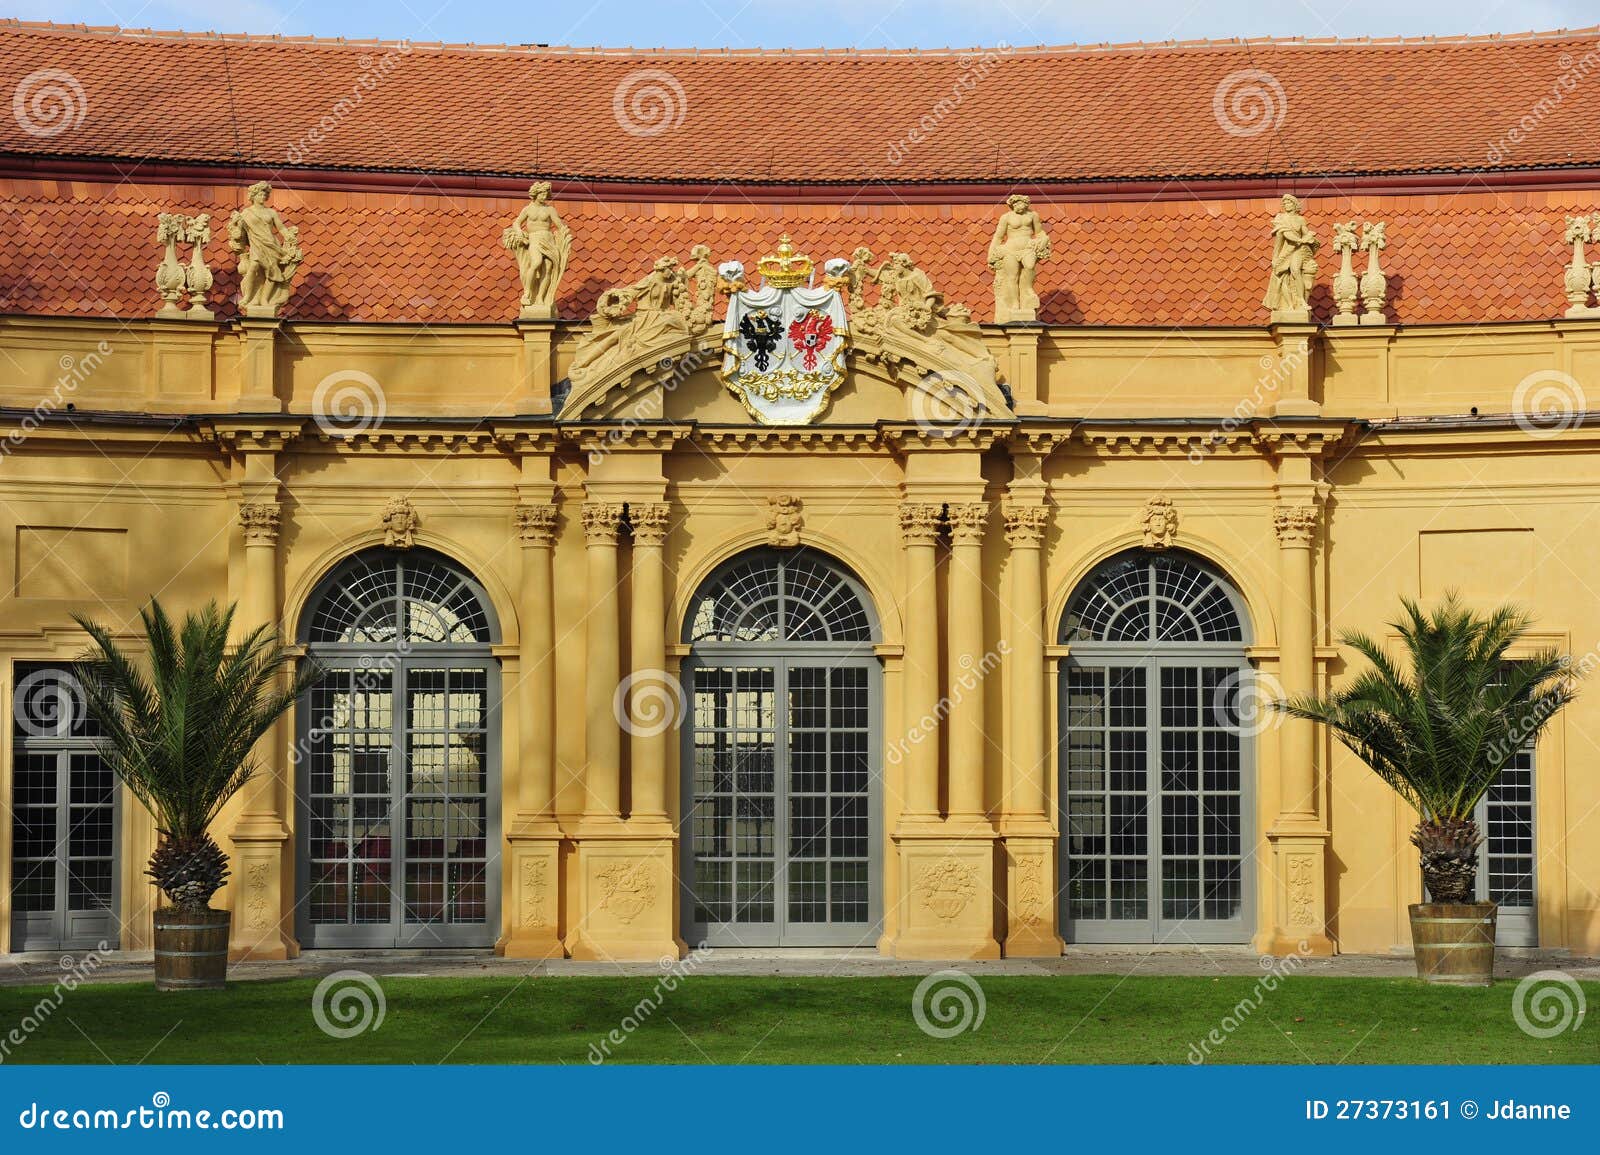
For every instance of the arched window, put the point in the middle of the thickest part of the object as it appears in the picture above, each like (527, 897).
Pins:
(1153, 597)
(1158, 710)
(383, 598)
(768, 596)
(398, 757)
(782, 843)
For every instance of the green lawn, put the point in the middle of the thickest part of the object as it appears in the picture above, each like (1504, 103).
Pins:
(1063, 1019)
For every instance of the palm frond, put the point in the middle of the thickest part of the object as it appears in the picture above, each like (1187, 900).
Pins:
(1440, 725)
(179, 725)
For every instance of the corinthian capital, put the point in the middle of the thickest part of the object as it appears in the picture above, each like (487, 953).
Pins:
(919, 521)
(260, 521)
(536, 523)
(601, 520)
(1296, 524)
(1025, 524)
(968, 521)
(649, 520)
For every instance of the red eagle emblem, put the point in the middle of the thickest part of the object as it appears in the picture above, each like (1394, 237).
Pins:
(810, 334)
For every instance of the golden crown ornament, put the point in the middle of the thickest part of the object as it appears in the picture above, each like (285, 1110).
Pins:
(785, 269)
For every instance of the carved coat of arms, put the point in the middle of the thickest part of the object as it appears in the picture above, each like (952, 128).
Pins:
(783, 343)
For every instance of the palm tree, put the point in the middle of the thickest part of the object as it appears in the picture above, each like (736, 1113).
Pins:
(181, 734)
(1441, 731)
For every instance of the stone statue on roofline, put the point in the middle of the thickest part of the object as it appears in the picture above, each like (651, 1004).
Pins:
(910, 309)
(656, 310)
(1294, 266)
(269, 253)
(542, 245)
(1019, 244)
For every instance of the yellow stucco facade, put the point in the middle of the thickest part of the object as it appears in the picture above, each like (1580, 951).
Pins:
(1324, 472)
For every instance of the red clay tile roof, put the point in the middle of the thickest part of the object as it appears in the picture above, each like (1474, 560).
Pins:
(1191, 110)
(85, 249)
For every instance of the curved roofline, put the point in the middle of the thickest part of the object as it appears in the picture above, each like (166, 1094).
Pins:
(119, 32)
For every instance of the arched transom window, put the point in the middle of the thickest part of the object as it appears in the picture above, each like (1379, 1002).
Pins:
(768, 596)
(1153, 597)
(382, 598)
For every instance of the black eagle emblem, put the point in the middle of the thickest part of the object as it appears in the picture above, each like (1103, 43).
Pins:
(761, 331)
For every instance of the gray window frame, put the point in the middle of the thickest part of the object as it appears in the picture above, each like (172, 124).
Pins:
(781, 656)
(399, 659)
(63, 928)
(1153, 657)
(1514, 925)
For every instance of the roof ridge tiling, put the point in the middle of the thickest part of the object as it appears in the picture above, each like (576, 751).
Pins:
(13, 24)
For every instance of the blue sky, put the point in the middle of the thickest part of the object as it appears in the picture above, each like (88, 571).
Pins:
(809, 23)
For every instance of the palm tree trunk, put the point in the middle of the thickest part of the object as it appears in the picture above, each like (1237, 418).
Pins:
(1449, 858)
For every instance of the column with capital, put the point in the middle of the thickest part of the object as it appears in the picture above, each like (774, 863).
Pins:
(260, 929)
(946, 908)
(1299, 834)
(654, 699)
(967, 664)
(534, 834)
(602, 777)
(1027, 824)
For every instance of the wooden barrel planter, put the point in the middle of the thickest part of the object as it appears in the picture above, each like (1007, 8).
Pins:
(1454, 942)
(191, 950)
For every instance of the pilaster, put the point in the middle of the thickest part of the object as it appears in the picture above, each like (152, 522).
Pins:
(1026, 822)
(538, 356)
(261, 929)
(534, 834)
(1299, 834)
(258, 389)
